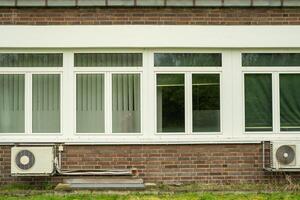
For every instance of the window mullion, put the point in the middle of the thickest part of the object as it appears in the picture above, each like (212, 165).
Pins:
(28, 103)
(188, 103)
(108, 102)
(68, 100)
(276, 102)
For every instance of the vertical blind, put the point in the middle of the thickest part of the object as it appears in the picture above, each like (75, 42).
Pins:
(45, 103)
(90, 103)
(258, 102)
(126, 103)
(31, 60)
(108, 59)
(12, 90)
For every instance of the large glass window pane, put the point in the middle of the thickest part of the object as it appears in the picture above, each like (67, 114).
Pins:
(90, 103)
(270, 59)
(258, 102)
(170, 103)
(91, 2)
(12, 88)
(45, 103)
(126, 103)
(289, 102)
(187, 59)
(121, 2)
(30, 2)
(61, 2)
(108, 59)
(31, 60)
(150, 2)
(206, 103)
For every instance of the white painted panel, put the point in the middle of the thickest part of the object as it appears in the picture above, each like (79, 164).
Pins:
(144, 36)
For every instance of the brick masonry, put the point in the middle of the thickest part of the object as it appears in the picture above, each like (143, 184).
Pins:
(159, 16)
(213, 163)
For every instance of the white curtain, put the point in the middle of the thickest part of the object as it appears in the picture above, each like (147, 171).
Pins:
(46, 103)
(90, 103)
(126, 103)
(12, 90)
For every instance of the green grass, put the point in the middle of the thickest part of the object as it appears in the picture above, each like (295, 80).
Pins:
(160, 192)
(142, 196)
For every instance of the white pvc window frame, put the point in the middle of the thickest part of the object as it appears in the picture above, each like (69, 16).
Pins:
(231, 98)
(188, 72)
(275, 72)
(108, 72)
(28, 72)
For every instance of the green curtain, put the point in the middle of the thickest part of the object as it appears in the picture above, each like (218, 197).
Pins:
(187, 59)
(258, 102)
(289, 102)
(90, 103)
(206, 103)
(126, 103)
(12, 90)
(170, 103)
(31, 60)
(108, 59)
(45, 103)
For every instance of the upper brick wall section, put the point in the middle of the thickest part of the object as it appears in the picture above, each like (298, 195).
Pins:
(157, 3)
(151, 16)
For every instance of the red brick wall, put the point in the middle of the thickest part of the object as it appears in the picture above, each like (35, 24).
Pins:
(234, 163)
(214, 163)
(192, 16)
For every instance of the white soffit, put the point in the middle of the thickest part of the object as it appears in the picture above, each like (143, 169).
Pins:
(149, 36)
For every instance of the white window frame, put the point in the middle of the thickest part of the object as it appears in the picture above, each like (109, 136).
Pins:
(274, 71)
(188, 72)
(28, 72)
(231, 98)
(108, 72)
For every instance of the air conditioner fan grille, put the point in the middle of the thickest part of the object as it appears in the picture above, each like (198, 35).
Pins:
(285, 154)
(25, 159)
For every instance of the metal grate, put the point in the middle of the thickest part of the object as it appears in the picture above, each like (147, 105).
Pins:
(151, 3)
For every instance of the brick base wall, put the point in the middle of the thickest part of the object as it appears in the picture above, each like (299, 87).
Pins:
(159, 16)
(214, 163)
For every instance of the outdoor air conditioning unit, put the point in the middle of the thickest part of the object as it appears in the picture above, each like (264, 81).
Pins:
(283, 156)
(32, 161)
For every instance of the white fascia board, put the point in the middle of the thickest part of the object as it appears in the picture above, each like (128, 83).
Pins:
(148, 36)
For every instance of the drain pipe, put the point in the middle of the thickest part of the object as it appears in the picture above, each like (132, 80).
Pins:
(100, 172)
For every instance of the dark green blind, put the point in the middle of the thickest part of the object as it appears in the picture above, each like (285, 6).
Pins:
(258, 102)
(289, 102)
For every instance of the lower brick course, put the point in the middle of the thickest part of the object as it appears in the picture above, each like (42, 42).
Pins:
(201, 163)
